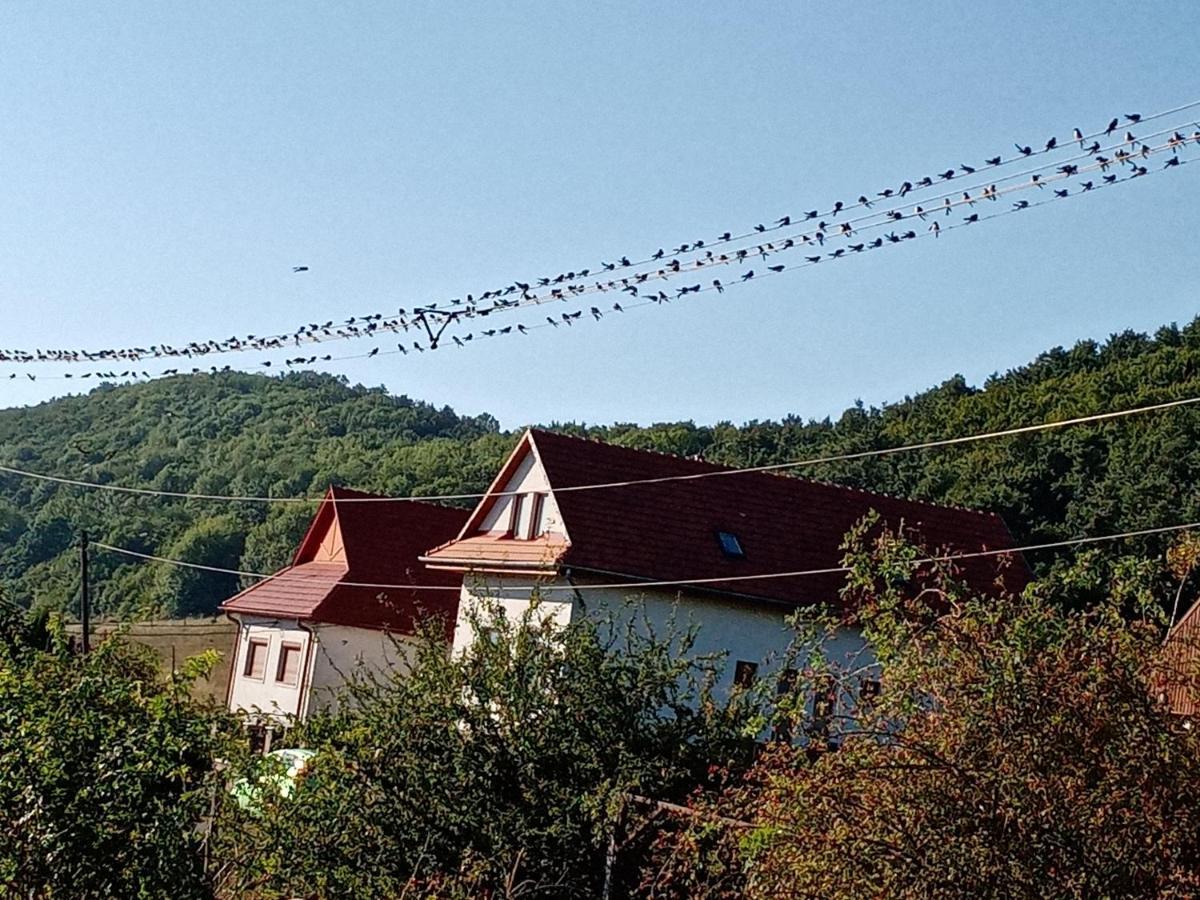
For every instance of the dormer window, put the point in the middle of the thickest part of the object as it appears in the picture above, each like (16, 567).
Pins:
(527, 517)
(537, 516)
(514, 520)
(730, 545)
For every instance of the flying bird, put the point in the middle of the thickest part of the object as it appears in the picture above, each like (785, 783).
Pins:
(299, 268)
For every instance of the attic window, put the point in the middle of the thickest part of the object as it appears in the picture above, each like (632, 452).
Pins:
(730, 545)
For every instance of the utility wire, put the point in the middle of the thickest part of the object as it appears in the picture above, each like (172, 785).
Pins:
(682, 582)
(765, 251)
(822, 257)
(390, 323)
(606, 485)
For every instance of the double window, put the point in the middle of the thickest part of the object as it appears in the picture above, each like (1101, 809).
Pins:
(287, 666)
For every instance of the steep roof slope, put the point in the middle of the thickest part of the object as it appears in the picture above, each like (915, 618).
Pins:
(669, 530)
(382, 542)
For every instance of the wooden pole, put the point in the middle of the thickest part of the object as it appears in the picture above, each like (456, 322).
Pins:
(85, 597)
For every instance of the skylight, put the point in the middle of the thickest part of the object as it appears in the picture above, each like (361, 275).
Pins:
(730, 545)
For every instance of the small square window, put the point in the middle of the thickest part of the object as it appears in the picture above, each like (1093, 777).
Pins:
(288, 669)
(730, 545)
(256, 660)
(744, 673)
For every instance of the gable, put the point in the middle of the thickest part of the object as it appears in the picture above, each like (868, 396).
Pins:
(522, 474)
(332, 548)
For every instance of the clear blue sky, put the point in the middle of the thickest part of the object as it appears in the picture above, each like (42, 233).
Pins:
(162, 167)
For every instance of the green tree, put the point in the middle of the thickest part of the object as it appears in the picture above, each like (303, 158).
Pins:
(1016, 749)
(106, 775)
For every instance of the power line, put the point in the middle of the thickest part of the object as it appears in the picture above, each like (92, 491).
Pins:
(685, 582)
(1102, 164)
(374, 322)
(774, 467)
(935, 231)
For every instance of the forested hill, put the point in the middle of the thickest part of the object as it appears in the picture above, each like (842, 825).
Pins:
(292, 435)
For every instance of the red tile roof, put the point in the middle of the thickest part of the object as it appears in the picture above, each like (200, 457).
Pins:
(668, 531)
(382, 544)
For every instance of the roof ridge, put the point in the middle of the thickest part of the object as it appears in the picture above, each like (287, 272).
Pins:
(748, 471)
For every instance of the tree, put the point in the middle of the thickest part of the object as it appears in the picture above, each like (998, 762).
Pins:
(106, 774)
(1016, 749)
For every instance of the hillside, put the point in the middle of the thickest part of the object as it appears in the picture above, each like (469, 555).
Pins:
(248, 434)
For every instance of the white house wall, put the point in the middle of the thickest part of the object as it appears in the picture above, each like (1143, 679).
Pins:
(740, 630)
(339, 651)
(512, 596)
(267, 696)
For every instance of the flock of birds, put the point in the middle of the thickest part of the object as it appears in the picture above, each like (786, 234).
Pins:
(809, 231)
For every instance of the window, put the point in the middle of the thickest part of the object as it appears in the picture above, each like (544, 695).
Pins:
(256, 660)
(782, 731)
(868, 691)
(824, 705)
(744, 672)
(288, 669)
(537, 527)
(730, 545)
(514, 522)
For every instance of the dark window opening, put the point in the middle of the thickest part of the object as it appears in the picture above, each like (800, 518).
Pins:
(824, 705)
(868, 691)
(744, 673)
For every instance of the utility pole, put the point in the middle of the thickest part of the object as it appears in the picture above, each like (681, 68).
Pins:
(85, 598)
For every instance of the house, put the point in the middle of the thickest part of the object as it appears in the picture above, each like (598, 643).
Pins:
(303, 630)
(701, 528)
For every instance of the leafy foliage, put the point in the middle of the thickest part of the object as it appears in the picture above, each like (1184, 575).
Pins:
(1016, 749)
(106, 773)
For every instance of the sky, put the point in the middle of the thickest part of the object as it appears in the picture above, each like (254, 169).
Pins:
(164, 166)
